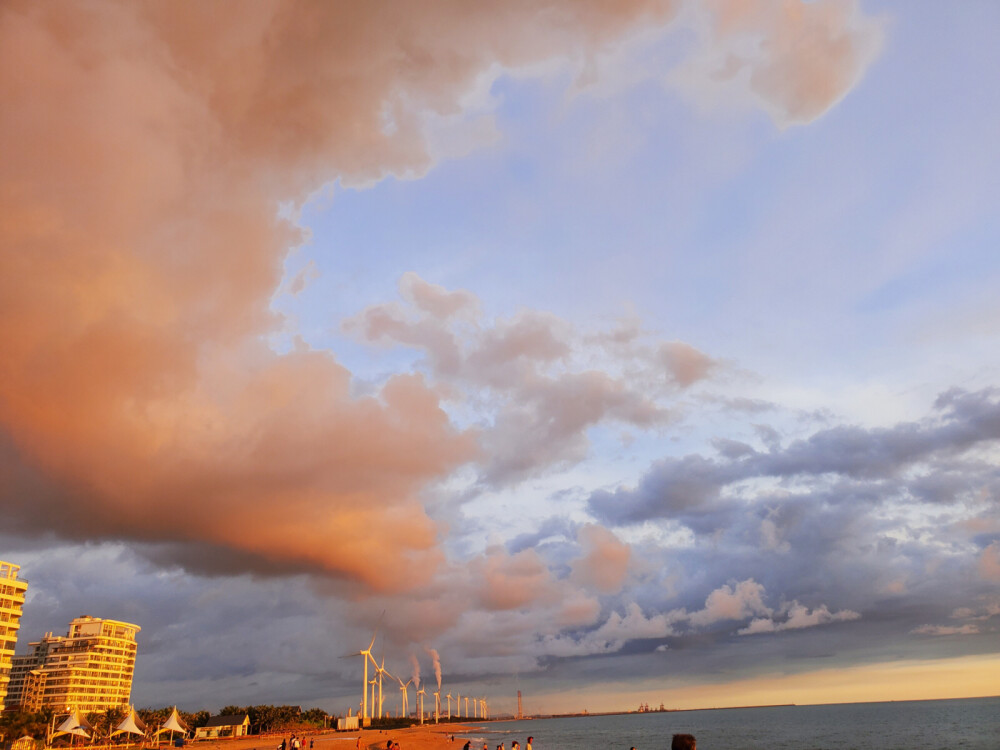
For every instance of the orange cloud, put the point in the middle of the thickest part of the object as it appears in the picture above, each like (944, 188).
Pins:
(148, 148)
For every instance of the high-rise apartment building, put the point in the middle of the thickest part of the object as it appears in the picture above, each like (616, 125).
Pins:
(89, 669)
(12, 591)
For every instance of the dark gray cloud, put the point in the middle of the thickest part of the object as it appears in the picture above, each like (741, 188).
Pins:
(961, 422)
(880, 534)
(557, 526)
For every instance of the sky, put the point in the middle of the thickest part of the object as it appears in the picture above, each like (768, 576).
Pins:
(613, 352)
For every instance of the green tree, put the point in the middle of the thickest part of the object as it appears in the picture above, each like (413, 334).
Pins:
(197, 719)
(104, 723)
(17, 724)
(315, 716)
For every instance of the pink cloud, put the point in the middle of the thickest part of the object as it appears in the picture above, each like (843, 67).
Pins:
(532, 374)
(796, 59)
(604, 562)
(989, 563)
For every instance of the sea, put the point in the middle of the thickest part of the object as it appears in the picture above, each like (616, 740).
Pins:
(969, 724)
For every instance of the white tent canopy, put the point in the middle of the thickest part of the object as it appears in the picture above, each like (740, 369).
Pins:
(173, 723)
(74, 724)
(131, 724)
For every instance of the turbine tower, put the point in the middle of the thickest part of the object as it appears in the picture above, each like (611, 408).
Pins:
(402, 687)
(420, 703)
(437, 705)
(380, 670)
(366, 654)
(466, 707)
(449, 706)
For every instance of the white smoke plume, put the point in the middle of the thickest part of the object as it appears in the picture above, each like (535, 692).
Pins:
(437, 664)
(416, 672)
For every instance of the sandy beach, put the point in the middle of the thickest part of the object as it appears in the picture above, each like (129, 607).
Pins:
(426, 737)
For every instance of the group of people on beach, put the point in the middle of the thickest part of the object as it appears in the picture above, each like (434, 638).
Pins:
(294, 744)
(515, 745)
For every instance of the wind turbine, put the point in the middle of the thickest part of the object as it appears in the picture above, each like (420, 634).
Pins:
(366, 653)
(449, 706)
(373, 683)
(482, 708)
(402, 687)
(466, 707)
(420, 703)
(437, 705)
(380, 670)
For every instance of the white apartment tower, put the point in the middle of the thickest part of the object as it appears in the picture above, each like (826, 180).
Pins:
(89, 669)
(12, 591)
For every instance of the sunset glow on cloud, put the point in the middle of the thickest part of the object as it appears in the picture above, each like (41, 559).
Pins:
(659, 331)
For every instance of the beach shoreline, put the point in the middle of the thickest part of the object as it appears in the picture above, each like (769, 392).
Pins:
(425, 737)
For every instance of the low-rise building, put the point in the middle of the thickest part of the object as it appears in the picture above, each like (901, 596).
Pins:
(12, 590)
(88, 669)
(228, 725)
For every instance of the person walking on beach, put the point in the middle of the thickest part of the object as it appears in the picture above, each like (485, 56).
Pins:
(683, 742)
(527, 745)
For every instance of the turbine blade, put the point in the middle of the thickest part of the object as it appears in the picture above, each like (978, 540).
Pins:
(378, 624)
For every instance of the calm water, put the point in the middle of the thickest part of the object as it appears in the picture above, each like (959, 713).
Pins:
(970, 724)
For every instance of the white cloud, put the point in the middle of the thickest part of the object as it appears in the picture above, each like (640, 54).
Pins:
(617, 630)
(798, 616)
(735, 602)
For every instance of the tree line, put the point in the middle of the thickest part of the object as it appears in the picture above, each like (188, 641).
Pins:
(263, 718)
